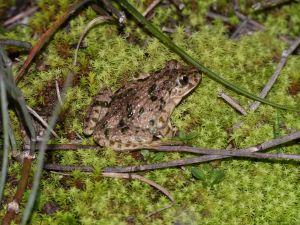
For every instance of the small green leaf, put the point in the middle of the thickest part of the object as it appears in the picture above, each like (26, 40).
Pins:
(198, 174)
(216, 177)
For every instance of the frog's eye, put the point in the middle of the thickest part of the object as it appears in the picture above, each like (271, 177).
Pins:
(182, 80)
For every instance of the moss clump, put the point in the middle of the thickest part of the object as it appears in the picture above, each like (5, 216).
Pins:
(252, 191)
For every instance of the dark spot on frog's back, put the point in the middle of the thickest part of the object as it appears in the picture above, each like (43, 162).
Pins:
(106, 133)
(124, 129)
(103, 125)
(141, 111)
(153, 98)
(129, 110)
(121, 123)
(162, 103)
(151, 122)
(151, 89)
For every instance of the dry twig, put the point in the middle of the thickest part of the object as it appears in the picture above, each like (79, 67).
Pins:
(151, 7)
(275, 75)
(233, 103)
(20, 16)
(194, 160)
(41, 120)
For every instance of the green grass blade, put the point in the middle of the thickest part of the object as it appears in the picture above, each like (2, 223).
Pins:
(170, 44)
(5, 120)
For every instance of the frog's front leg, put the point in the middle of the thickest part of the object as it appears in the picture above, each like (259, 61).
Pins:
(97, 110)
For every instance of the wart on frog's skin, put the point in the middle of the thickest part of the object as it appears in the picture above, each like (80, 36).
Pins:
(139, 112)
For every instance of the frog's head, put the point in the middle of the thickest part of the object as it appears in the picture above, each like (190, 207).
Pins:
(186, 79)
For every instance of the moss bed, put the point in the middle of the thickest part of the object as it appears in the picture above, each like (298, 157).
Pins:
(251, 192)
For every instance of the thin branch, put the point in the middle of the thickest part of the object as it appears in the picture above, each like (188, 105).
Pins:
(151, 7)
(275, 75)
(13, 206)
(97, 20)
(21, 44)
(20, 16)
(138, 177)
(60, 168)
(233, 153)
(168, 29)
(194, 160)
(213, 15)
(268, 4)
(53, 147)
(147, 181)
(110, 8)
(245, 152)
(89, 169)
(58, 92)
(233, 103)
(41, 120)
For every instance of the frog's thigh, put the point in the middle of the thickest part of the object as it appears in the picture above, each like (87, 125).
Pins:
(122, 139)
(164, 126)
(97, 110)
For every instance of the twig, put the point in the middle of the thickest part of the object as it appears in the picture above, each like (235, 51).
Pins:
(42, 121)
(97, 20)
(233, 153)
(20, 16)
(233, 103)
(275, 75)
(90, 169)
(268, 4)
(151, 7)
(109, 7)
(214, 15)
(143, 179)
(58, 92)
(47, 35)
(245, 152)
(13, 206)
(168, 29)
(51, 147)
(21, 44)
(60, 168)
(194, 160)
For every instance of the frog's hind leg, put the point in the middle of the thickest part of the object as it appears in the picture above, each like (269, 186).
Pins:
(123, 139)
(97, 110)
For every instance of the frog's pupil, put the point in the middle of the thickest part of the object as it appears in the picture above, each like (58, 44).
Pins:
(183, 80)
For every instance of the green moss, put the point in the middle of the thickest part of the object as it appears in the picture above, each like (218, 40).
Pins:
(252, 192)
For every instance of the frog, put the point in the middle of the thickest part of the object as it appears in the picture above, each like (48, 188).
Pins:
(137, 115)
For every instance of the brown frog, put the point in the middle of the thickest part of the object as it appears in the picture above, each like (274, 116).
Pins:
(137, 115)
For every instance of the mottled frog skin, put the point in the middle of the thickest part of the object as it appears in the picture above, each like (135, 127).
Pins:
(137, 115)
